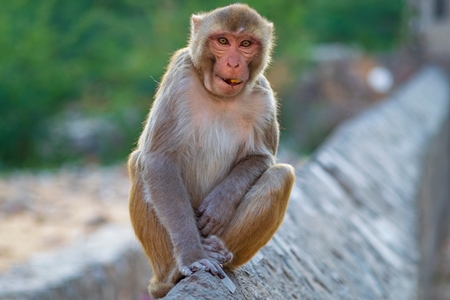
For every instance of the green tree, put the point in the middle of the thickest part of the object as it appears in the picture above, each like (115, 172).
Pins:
(374, 25)
(100, 57)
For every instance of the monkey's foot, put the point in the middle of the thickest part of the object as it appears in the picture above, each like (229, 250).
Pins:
(215, 249)
(158, 290)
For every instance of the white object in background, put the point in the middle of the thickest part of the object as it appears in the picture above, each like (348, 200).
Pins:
(380, 79)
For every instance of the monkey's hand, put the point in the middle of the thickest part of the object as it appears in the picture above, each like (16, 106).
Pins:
(207, 264)
(214, 214)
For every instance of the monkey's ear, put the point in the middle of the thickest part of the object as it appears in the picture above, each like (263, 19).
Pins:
(196, 20)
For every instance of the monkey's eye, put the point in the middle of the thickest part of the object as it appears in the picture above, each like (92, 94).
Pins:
(246, 43)
(222, 41)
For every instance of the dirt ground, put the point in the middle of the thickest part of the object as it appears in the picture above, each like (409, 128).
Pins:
(45, 210)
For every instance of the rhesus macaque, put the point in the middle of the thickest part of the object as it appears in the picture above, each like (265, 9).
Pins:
(205, 190)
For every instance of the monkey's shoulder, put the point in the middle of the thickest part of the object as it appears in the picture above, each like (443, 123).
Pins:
(179, 58)
(177, 69)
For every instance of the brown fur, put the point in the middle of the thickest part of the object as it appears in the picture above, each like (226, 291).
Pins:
(205, 163)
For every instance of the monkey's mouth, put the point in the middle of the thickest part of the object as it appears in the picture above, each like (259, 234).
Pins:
(232, 81)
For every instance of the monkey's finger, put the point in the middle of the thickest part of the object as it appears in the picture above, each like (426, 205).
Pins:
(186, 271)
(219, 257)
(213, 242)
(211, 266)
(211, 229)
(202, 221)
(229, 256)
(220, 230)
(209, 248)
(202, 266)
(210, 240)
(220, 271)
(201, 209)
(207, 229)
(204, 205)
(198, 265)
(216, 243)
(226, 257)
(217, 229)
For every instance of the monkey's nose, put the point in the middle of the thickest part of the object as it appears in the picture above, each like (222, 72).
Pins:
(233, 65)
(233, 62)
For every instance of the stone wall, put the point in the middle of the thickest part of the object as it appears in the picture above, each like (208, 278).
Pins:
(363, 220)
(434, 204)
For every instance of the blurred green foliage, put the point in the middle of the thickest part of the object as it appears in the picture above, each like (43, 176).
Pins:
(102, 59)
(372, 24)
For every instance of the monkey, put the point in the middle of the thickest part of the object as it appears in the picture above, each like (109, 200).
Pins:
(206, 192)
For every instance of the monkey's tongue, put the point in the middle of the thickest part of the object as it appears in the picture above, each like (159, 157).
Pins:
(232, 81)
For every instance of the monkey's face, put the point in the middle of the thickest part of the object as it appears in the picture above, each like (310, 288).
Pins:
(233, 53)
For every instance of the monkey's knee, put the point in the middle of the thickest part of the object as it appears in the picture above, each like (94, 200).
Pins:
(276, 182)
(285, 174)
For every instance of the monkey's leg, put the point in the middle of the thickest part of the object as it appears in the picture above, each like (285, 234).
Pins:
(153, 237)
(259, 214)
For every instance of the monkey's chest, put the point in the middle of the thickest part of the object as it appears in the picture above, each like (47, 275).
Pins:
(213, 148)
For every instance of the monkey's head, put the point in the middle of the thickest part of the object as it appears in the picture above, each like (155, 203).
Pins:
(230, 47)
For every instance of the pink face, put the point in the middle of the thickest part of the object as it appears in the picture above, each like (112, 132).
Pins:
(233, 53)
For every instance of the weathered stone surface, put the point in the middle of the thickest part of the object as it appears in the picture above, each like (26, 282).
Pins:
(362, 222)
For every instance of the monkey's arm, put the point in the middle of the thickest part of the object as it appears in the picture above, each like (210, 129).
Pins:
(170, 201)
(218, 207)
(161, 174)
